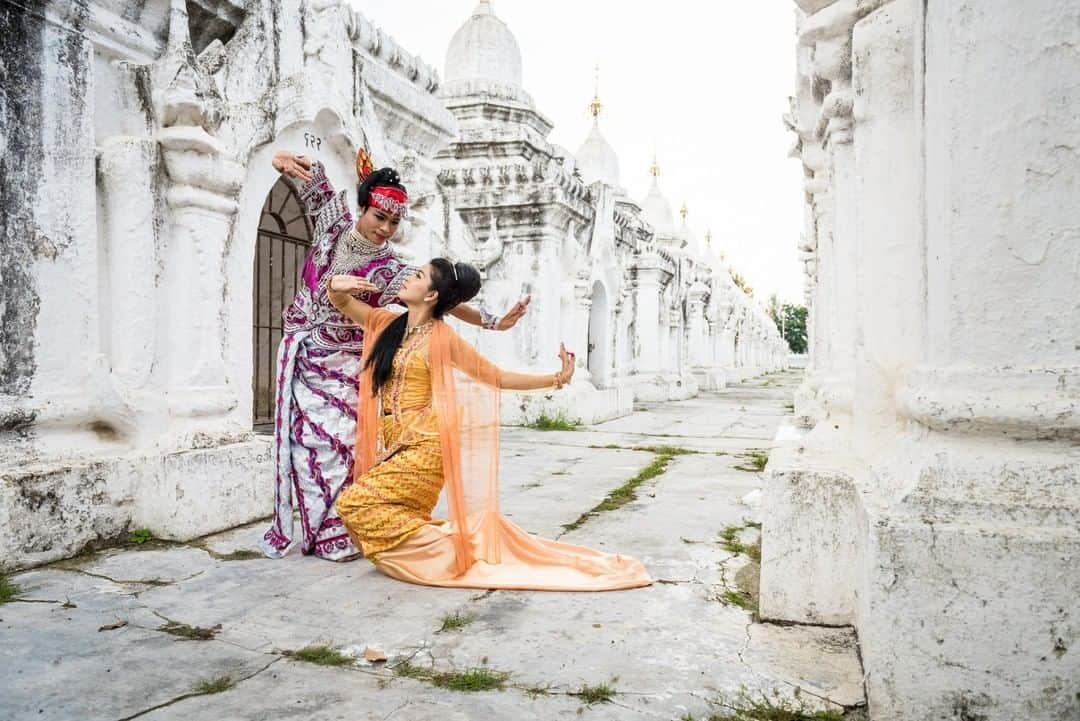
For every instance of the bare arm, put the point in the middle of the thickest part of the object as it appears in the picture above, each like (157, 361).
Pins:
(340, 290)
(509, 380)
(473, 316)
(467, 313)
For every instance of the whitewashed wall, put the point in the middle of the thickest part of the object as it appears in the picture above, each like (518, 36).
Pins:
(930, 496)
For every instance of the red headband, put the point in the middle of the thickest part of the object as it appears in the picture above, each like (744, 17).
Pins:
(392, 200)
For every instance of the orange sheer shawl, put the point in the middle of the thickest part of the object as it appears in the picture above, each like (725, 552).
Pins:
(466, 398)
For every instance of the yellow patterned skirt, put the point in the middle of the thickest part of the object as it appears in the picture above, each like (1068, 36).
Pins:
(393, 500)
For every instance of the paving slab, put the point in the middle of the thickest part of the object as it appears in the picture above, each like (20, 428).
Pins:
(88, 638)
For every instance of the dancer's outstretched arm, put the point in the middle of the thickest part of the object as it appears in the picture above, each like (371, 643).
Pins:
(511, 381)
(466, 359)
(340, 290)
(478, 316)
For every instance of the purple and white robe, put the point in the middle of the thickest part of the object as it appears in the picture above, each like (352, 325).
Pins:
(318, 365)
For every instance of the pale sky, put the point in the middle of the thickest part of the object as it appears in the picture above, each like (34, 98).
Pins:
(705, 83)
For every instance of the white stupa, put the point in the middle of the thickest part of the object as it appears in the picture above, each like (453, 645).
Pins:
(484, 57)
(656, 208)
(596, 159)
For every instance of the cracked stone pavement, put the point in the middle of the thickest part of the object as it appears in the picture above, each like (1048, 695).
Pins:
(667, 651)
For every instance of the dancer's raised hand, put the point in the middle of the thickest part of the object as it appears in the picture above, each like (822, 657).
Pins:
(293, 165)
(566, 373)
(509, 320)
(340, 289)
(351, 284)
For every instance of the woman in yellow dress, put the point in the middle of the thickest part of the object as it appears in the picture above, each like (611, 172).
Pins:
(428, 422)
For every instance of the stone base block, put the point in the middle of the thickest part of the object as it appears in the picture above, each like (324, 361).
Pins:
(203, 491)
(581, 402)
(51, 511)
(659, 388)
(739, 374)
(970, 620)
(710, 379)
(808, 550)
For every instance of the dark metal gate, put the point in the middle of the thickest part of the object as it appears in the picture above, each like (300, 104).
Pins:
(283, 243)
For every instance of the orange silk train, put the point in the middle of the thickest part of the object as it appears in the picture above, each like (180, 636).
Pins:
(478, 548)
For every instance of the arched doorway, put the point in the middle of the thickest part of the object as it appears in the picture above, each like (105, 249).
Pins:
(282, 245)
(598, 336)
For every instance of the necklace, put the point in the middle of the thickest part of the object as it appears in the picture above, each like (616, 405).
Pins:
(418, 326)
(354, 251)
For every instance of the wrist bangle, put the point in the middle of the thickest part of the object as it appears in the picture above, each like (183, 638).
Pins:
(488, 320)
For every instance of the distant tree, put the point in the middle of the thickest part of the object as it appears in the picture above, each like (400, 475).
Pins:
(792, 322)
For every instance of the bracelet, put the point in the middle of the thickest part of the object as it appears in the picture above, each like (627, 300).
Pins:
(488, 320)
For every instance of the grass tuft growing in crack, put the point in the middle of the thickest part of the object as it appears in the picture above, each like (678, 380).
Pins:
(478, 678)
(321, 656)
(557, 422)
(628, 491)
(603, 693)
(216, 685)
(729, 541)
(671, 451)
(740, 599)
(762, 707)
(8, 590)
(243, 554)
(191, 633)
(140, 536)
(473, 679)
(756, 461)
(455, 622)
(748, 578)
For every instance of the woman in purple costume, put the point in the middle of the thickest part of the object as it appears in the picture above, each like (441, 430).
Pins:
(318, 360)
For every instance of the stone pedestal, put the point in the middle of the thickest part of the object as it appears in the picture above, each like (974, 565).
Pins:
(938, 510)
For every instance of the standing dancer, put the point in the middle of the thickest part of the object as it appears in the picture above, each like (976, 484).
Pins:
(318, 360)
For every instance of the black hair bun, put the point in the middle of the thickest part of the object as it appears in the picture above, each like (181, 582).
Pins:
(382, 176)
(468, 282)
(385, 176)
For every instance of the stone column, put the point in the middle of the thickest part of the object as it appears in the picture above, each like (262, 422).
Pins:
(579, 340)
(832, 63)
(674, 361)
(698, 329)
(810, 500)
(130, 304)
(889, 280)
(202, 202)
(204, 184)
(980, 542)
(647, 283)
(725, 336)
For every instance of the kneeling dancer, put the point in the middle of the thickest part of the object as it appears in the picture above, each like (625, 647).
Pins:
(427, 420)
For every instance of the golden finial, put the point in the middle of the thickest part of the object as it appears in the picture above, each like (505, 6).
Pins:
(684, 211)
(708, 236)
(595, 106)
(654, 169)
